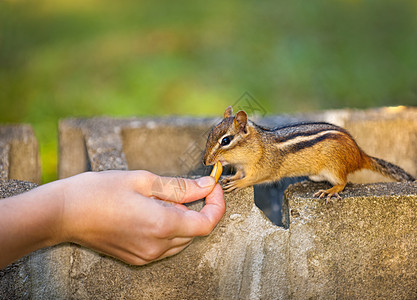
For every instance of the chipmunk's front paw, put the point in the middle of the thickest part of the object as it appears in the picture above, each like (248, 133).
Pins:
(235, 184)
(229, 185)
(226, 180)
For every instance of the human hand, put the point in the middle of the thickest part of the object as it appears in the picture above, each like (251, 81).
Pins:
(137, 216)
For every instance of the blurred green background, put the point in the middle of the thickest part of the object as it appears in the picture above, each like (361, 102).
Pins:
(66, 58)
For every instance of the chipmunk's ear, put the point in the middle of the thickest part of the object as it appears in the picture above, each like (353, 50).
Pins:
(241, 121)
(228, 112)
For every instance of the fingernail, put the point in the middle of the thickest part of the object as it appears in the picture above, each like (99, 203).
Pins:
(206, 181)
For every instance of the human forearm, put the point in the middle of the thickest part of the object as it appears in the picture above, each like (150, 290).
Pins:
(29, 221)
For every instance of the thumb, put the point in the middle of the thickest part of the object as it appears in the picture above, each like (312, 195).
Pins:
(206, 182)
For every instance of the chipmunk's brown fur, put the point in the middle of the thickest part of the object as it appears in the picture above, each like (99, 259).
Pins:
(321, 151)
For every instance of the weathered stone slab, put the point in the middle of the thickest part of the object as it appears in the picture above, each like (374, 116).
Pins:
(19, 153)
(166, 146)
(361, 247)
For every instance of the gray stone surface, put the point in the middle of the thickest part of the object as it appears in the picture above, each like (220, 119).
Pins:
(361, 247)
(19, 153)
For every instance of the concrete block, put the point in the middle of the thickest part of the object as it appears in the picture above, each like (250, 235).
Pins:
(19, 153)
(361, 247)
(166, 146)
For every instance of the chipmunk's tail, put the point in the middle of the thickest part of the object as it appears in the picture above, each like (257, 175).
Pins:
(389, 170)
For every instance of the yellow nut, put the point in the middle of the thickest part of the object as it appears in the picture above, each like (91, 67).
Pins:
(217, 171)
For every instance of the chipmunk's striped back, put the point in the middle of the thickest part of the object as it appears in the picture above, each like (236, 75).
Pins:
(296, 137)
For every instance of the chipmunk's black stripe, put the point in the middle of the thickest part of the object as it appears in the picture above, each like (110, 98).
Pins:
(293, 125)
(306, 144)
(306, 129)
(308, 125)
(299, 134)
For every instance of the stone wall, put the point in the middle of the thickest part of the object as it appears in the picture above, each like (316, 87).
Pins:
(361, 247)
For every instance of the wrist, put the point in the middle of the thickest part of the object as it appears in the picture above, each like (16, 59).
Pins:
(66, 220)
(77, 203)
(53, 205)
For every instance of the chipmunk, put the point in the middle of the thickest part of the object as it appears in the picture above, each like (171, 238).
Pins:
(319, 150)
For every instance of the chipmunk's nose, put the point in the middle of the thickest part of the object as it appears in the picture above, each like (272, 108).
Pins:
(206, 160)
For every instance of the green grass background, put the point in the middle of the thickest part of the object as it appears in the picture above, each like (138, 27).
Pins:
(86, 58)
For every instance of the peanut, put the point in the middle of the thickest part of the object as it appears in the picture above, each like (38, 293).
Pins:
(217, 171)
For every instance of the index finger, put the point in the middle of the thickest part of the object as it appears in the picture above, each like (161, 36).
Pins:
(194, 223)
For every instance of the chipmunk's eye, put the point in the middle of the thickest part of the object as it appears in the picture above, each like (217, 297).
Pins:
(226, 140)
